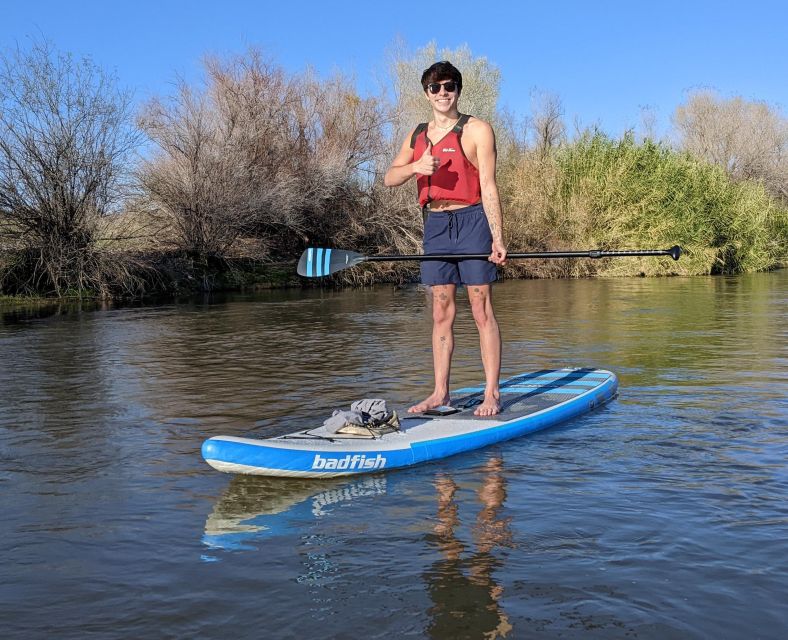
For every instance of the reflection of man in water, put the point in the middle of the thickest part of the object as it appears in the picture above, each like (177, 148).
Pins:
(463, 590)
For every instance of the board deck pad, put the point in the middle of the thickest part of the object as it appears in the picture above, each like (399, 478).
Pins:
(529, 402)
(530, 392)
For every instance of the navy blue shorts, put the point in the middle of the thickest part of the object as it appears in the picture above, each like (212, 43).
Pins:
(463, 230)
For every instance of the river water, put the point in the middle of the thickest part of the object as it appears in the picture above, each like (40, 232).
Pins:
(662, 515)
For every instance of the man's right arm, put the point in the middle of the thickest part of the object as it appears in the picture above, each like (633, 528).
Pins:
(403, 168)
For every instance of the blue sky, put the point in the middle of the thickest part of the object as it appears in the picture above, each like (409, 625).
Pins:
(606, 60)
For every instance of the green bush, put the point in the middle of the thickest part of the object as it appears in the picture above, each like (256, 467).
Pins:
(620, 194)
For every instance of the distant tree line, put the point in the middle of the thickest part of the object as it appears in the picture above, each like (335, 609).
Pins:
(252, 164)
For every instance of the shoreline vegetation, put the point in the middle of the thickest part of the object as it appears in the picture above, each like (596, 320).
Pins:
(222, 185)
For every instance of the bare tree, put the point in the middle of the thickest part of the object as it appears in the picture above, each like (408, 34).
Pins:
(65, 144)
(216, 148)
(259, 154)
(649, 120)
(748, 139)
(546, 122)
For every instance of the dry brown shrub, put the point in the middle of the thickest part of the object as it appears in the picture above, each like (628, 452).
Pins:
(220, 168)
(536, 221)
(261, 156)
(536, 218)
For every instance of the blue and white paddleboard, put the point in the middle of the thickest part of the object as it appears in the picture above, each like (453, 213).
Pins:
(530, 402)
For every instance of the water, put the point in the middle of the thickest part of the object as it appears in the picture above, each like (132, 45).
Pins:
(664, 515)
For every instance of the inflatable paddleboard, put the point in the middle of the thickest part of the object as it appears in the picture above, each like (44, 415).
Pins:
(529, 402)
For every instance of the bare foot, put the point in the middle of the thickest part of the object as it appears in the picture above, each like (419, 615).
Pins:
(435, 400)
(490, 406)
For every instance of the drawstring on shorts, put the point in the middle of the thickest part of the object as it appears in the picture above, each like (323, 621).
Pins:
(425, 212)
(453, 226)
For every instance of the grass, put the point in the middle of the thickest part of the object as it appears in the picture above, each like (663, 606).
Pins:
(618, 194)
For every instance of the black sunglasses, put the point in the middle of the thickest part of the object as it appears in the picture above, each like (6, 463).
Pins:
(435, 87)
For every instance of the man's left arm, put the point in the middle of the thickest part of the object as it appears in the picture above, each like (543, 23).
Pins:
(486, 157)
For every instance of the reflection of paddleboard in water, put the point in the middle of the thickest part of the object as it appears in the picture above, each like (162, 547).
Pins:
(530, 402)
(257, 507)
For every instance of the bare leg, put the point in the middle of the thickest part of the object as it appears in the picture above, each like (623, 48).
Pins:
(480, 297)
(444, 310)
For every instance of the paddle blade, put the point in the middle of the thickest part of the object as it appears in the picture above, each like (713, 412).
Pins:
(675, 252)
(315, 262)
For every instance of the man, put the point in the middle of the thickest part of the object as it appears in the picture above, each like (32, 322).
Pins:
(453, 159)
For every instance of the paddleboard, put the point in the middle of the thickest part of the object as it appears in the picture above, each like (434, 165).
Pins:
(529, 402)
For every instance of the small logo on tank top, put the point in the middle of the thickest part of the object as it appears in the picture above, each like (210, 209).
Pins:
(449, 150)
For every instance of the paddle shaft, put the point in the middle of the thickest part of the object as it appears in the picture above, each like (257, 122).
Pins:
(318, 262)
(596, 253)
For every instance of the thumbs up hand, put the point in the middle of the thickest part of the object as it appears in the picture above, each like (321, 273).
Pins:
(427, 164)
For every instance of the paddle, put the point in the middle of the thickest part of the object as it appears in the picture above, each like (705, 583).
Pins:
(316, 262)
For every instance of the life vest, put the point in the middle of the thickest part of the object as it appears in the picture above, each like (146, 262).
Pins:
(456, 178)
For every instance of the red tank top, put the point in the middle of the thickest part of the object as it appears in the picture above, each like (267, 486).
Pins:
(456, 178)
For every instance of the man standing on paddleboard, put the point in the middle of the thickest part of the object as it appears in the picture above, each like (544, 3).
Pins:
(453, 158)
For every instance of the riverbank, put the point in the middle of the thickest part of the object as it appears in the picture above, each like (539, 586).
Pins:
(593, 193)
(151, 276)
(184, 278)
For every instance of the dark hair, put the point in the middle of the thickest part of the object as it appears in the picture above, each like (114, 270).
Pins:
(443, 70)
